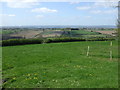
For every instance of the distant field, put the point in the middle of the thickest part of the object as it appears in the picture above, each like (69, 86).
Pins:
(51, 33)
(83, 32)
(38, 33)
(62, 65)
(27, 33)
(7, 31)
(106, 32)
(86, 33)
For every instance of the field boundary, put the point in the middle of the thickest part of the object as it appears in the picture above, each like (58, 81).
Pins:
(14, 42)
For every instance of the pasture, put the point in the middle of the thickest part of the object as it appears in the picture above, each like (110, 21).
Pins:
(48, 33)
(61, 65)
(7, 31)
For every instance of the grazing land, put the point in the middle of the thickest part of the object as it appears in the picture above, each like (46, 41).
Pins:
(62, 65)
(27, 33)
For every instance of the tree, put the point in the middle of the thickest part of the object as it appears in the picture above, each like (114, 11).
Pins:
(118, 21)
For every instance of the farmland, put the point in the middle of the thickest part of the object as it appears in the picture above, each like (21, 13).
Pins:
(59, 44)
(61, 65)
(27, 33)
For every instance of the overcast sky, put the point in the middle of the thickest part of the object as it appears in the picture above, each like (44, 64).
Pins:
(57, 13)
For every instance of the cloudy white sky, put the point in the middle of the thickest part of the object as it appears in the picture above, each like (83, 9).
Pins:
(34, 12)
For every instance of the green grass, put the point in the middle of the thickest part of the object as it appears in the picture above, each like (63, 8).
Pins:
(83, 32)
(62, 65)
(99, 35)
(7, 31)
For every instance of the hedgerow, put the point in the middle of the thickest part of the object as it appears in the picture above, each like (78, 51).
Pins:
(13, 42)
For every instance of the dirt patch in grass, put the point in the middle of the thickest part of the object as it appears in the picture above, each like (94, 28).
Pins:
(52, 33)
(106, 32)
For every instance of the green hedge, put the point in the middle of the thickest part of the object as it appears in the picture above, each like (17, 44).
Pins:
(13, 42)
(55, 40)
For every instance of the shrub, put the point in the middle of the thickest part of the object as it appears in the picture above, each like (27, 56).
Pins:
(54, 40)
(12, 42)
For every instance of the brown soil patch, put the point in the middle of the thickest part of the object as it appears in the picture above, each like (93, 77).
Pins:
(55, 33)
(27, 34)
(51, 35)
(106, 32)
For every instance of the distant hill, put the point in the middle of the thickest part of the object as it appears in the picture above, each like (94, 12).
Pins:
(60, 26)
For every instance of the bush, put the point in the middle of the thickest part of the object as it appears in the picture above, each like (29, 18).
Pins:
(13, 42)
(54, 40)
(101, 39)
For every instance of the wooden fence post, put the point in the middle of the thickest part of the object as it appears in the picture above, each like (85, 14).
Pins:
(111, 50)
(88, 51)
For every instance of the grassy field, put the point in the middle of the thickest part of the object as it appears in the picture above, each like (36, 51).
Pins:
(47, 32)
(83, 32)
(62, 65)
(7, 31)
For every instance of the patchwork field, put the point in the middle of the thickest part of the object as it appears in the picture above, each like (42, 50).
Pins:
(106, 32)
(46, 33)
(61, 65)
(53, 33)
(27, 34)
